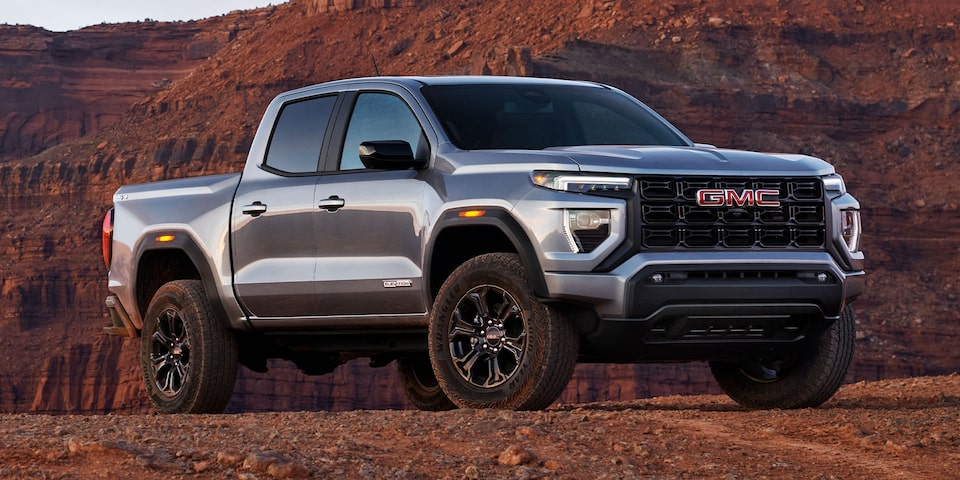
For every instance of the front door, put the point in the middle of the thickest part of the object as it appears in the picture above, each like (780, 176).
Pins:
(370, 228)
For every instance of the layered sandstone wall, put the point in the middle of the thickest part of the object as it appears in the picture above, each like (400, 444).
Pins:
(871, 90)
(315, 7)
(57, 87)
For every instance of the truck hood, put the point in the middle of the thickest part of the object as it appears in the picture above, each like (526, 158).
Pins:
(692, 161)
(644, 161)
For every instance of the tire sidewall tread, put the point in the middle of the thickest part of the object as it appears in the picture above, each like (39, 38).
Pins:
(213, 356)
(551, 345)
(817, 375)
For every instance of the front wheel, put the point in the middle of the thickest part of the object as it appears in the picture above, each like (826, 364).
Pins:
(493, 344)
(188, 356)
(802, 379)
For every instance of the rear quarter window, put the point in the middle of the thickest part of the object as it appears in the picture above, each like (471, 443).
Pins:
(298, 135)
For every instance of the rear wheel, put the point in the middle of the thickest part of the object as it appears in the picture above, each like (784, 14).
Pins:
(188, 357)
(801, 379)
(421, 385)
(493, 344)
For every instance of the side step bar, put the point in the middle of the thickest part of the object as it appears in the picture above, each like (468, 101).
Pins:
(122, 326)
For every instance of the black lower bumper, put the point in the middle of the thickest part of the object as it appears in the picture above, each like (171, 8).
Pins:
(719, 312)
(704, 332)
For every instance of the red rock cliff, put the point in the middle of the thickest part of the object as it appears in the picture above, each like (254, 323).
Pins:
(869, 87)
(56, 87)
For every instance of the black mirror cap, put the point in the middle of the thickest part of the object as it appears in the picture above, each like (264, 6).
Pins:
(389, 155)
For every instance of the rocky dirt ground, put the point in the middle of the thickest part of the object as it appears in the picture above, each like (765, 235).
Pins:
(902, 428)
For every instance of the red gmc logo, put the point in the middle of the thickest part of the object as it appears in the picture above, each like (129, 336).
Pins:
(728, 197)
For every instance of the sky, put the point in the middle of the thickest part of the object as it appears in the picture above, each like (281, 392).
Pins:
(63, 15)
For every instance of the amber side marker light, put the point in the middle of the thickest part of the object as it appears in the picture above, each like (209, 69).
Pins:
(165, 238)
(472, 213)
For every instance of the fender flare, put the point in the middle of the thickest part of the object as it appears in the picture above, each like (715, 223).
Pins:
(183, 242)
(500, 219)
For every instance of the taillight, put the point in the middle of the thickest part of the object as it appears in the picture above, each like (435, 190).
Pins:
(107, 238)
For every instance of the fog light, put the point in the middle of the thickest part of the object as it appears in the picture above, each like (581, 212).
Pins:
(586, 229)
(822, 277)
(587, 219)
(656, 278)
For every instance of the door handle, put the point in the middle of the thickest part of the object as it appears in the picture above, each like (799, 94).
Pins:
(254, 210)
(332, 204)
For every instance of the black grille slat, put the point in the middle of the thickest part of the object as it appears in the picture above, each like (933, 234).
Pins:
(671, 219)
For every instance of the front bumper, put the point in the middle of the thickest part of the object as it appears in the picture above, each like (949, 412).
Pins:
(706, 305)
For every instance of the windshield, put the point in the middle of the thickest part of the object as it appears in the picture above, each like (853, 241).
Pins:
(533, 117)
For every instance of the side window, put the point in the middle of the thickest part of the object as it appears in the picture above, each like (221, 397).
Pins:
(298, 135)
(378, 116)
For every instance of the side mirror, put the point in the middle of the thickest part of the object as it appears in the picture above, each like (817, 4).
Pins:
(389, 155)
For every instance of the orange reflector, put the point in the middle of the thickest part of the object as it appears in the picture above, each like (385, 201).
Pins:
(165, 238)
(472, 213)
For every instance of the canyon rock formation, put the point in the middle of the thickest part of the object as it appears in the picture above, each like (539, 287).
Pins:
(869, 86)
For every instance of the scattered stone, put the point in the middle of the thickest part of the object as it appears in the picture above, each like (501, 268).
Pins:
(525, 473)
(515, 455)
(201, 467)
(229, 458)
(261, 461)
(471, 472)
(288, 470)
(676, 39)
(456, 48)
(715, 22)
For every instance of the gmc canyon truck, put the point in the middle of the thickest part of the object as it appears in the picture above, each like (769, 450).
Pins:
(487, 233)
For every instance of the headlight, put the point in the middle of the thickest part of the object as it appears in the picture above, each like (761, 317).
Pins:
(572, 182)
(850, 229)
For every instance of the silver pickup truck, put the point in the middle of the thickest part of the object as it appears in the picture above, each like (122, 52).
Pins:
(487, 233)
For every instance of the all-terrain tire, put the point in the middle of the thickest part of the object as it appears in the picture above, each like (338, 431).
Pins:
(493, 344)
(803, 380)
(421, 385)
(187, 355)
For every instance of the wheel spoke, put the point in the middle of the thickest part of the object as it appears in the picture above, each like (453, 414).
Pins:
(159, 360)
(165, 324)
(165, 381)
(158, 336)
(181, 370)
(462, 332)
(495, 376)
(507, 309)
(466, 362)
(514, 348)
(479, 299)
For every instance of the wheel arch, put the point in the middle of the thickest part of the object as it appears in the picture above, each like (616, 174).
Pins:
(458, 238)
(160, 262)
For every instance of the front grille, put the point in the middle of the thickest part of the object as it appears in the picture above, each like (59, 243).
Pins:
(670, 217)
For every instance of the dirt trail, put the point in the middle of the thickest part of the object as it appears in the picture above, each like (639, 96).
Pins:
(898, 429)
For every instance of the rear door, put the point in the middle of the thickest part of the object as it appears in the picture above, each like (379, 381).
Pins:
(274, 236)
